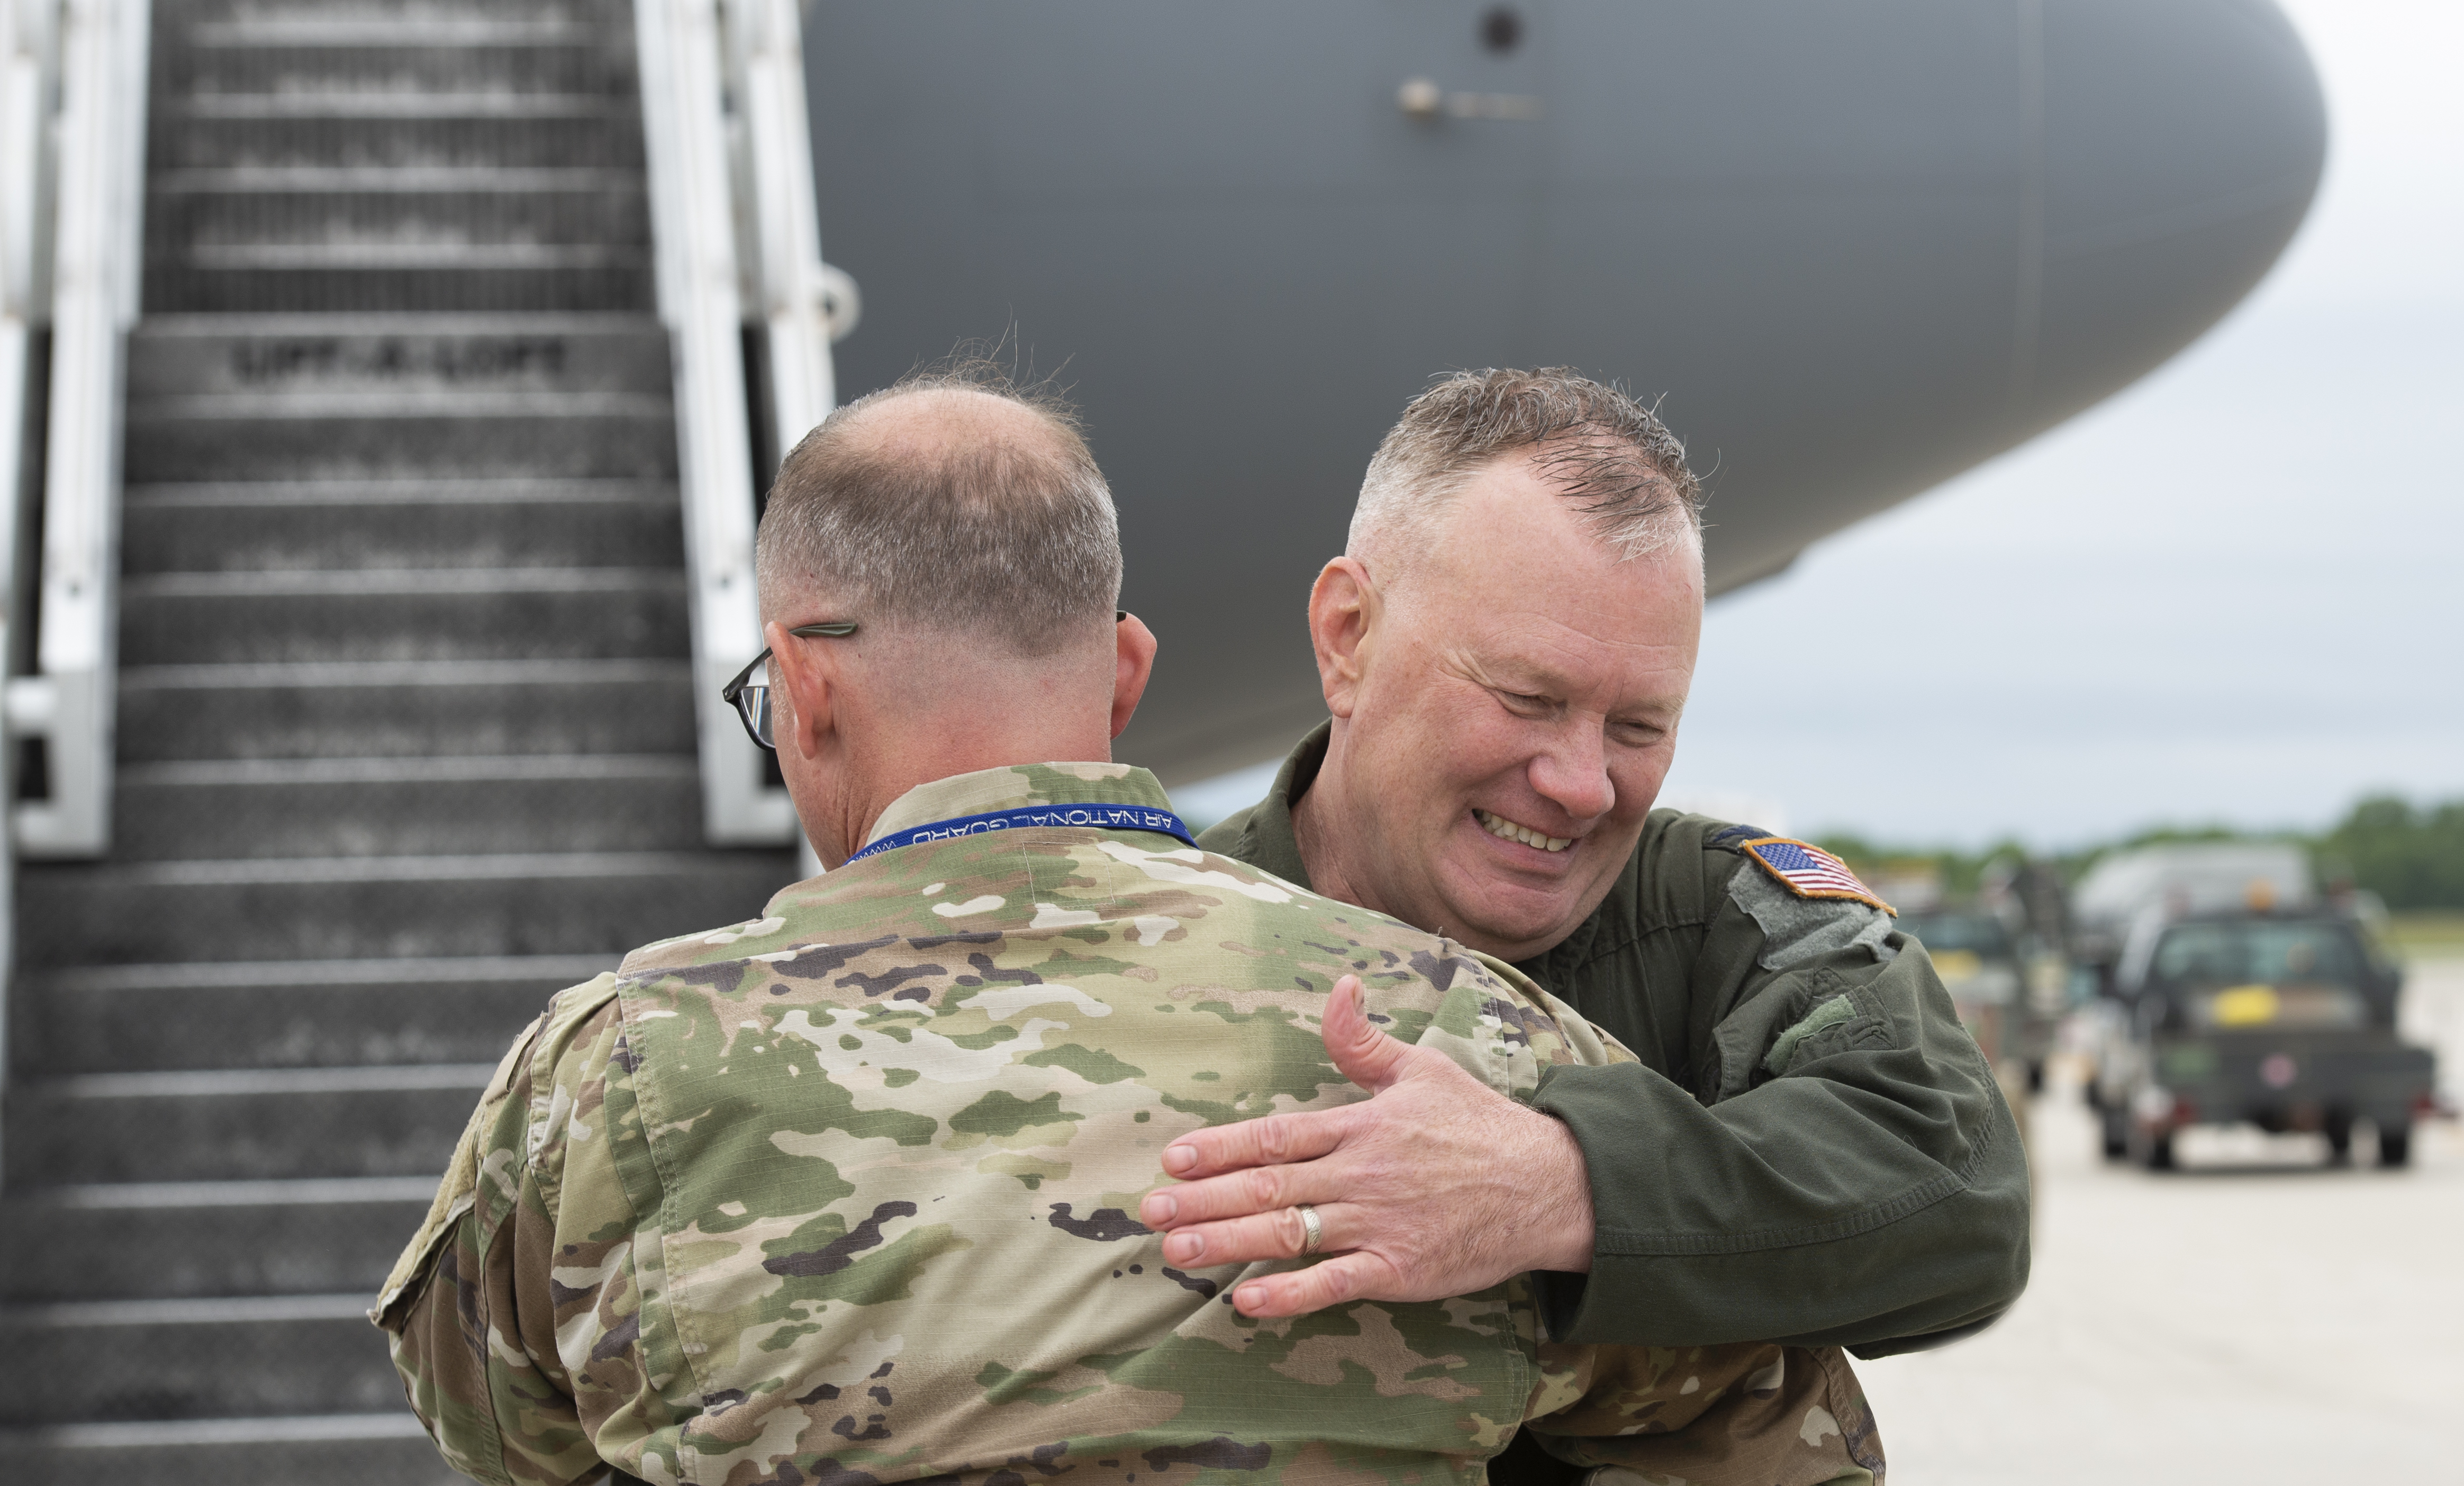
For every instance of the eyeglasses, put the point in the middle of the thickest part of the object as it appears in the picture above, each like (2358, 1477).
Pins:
(751, 698)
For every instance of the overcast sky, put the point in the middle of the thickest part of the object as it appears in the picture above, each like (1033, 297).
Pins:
(2230, 594)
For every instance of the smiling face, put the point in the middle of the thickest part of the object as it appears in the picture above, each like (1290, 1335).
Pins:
(1505, 708)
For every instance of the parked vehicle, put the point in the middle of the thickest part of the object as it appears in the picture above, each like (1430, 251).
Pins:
(2181, 878)
(2000, 994)
(2285, 1020)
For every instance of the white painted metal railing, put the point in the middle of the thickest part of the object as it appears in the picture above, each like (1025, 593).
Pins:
(800, 303)
(27, 67)
(97, 256)
(734, 230)
(72, 194)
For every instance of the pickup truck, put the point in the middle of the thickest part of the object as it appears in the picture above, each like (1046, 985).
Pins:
(2283, 1020)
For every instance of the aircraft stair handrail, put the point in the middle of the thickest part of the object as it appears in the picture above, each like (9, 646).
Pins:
(800, 303)
(29, 66)
(96, 254)
(735, 244)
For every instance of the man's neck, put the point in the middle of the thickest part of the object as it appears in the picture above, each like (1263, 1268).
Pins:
(926, 756)
(1322, 828)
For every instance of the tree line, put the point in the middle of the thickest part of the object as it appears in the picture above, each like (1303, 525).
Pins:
(2412, 855)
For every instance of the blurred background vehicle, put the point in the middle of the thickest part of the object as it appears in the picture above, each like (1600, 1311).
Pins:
(2285, 1020)
(2001, 944)
(2199, 877)
(1978, 959)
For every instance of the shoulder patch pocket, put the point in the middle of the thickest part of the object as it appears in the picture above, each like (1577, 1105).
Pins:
(1783, 1048)
(1799, 927)
(1831, 1025)
(1808, 871)
(456, 1193)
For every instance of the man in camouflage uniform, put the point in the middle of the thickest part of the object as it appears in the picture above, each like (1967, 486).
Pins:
(841, 1194)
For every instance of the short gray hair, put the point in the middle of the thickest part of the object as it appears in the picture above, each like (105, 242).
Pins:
(1605, 452)
(1010, 540)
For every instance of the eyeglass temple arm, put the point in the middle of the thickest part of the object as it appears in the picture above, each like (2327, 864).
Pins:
(840, 628)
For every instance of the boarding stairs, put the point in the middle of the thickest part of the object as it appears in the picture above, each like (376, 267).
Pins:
(405, 684)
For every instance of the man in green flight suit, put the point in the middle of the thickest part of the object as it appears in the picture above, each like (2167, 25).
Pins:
(837, 1195)
(1810, 1146)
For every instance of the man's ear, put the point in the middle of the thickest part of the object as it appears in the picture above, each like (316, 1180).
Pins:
(1342, 611)
(1133, 653)
(803, 686)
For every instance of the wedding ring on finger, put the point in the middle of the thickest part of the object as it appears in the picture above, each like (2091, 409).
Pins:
(1314, 1233)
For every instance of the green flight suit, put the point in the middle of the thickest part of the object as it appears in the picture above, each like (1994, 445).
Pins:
(1812, 1148)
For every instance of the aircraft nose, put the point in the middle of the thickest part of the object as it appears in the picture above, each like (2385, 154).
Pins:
(2179, 144)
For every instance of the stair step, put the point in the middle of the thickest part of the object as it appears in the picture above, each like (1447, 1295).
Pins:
(191, 355)
(384, 906)
(448, 614)
(240, 1125)
(405, 708)
(470, 57)
(313, 181)
(412, 276)
(158, 1360)
(363, 1450)
(221, 133)
(405, 107)
(193, 12)
(302, 189)
(225, 218)
(298, 435)
(356, 26)
(193, 1239)
(287, 1014)
(350, 525)
(406, 807)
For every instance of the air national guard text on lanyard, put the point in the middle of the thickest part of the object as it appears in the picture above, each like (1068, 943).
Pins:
(1096, 818)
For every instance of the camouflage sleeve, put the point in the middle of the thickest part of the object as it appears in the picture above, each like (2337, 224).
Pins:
(1546, 1029)
(1751, 1414)
(513, 1315)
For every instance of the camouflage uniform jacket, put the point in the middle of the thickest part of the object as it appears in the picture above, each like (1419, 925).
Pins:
(840, 1195)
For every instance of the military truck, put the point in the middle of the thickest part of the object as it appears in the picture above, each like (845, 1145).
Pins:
(2007, 1001)
(2285, 1019)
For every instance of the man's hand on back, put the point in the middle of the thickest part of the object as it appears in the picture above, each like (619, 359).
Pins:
(1435, 1186)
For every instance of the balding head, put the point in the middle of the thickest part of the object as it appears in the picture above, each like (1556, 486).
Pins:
(955, 502)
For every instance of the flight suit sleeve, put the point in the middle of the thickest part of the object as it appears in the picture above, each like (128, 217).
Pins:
(1740, 1413)
(514, 1314)
(1844, 1170)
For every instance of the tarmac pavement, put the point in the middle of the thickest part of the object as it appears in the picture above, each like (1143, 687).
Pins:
(2255, 1318)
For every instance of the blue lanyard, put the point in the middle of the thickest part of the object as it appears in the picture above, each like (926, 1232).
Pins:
(1080, 817)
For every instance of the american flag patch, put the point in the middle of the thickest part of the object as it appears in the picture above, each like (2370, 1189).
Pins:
(1810, 871)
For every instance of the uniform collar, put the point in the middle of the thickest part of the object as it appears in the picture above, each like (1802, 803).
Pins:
(1268, 841)
(1016, 788)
